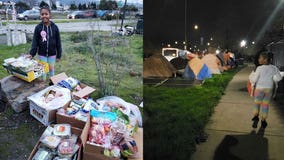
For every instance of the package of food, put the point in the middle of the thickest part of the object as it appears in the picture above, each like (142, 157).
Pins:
(61, 158)
(66, 147)
(62, 130)
(51, 141)
(42, 154)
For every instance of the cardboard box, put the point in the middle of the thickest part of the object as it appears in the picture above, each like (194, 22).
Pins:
(91, 152)
(68, 119)
(85, 91)
(74, 130)
(44, 115)
(27, 76)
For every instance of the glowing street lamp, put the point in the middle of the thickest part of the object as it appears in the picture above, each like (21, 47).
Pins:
(169, 45)
(243, 43)
(208, 44)
(252, 42)
(176, 42)
(196, 27)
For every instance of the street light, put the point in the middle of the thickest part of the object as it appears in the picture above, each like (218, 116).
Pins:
(196, 27)
(243, 43)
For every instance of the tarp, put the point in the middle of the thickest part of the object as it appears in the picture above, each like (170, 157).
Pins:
(197, 69)
(213, 63)
(157, 66)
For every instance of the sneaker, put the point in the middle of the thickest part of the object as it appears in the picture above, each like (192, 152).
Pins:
(255, 120)
(263, 124)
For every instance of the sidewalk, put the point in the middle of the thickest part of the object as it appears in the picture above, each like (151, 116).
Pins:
(231, 136)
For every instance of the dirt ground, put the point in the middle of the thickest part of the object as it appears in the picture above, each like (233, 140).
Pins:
(19, 132)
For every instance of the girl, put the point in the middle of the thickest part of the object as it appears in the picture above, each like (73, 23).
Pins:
(262, 79)
(46, 41)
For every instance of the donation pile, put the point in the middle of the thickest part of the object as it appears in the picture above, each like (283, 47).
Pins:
(57, 143)
(112, 126)
(25, 68)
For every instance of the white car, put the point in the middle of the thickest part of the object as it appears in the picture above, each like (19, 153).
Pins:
(171, 53)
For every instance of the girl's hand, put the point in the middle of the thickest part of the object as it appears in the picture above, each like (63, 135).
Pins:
(28, 56)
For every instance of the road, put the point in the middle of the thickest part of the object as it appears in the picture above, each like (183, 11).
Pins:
(77, 26)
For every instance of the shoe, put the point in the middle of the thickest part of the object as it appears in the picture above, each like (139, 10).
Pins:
(263, 124)
(255, 120)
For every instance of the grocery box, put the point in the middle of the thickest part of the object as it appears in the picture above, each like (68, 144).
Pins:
(91, 152)
(69, 119)
(46, 114)
(27, 76)
(74, 130)
(85, 91)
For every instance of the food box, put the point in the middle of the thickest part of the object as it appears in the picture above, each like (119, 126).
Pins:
(60, 118)
(91, 152)
(74, 130)
(47, 115)
(27, 76)
(85, 91)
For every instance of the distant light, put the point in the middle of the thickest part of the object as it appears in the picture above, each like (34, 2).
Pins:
(176, 42)
(183, 42)
(252, 42)
(195, 46)
(243, 43)
(190, 48)
(211, 39)
(196, 27)
(169, 45)
(217, 51)
(208, 44)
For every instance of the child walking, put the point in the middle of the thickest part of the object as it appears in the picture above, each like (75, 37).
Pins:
(46, 41)
(263, 79)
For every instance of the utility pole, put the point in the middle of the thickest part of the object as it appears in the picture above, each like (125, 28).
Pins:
(185, 25)
(123, 15)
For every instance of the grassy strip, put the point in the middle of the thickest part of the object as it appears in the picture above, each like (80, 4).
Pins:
(174, 116)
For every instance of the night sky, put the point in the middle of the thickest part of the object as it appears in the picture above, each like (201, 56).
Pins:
(224, 20)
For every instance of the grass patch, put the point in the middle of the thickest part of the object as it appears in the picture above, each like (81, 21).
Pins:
(174, 116)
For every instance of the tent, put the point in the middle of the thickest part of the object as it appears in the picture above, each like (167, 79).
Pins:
(213, 63)
(196, 69)
(157, 66)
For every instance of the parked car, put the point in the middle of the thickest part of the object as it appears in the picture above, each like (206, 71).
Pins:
(29, 14)
(90, 14)
(111, 15)
(76, 15)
